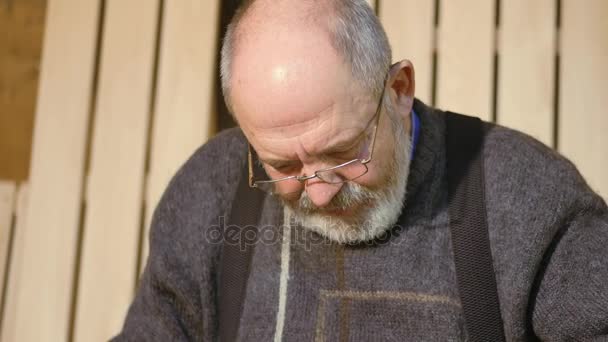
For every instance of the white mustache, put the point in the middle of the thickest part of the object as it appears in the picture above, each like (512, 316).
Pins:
(351, 195)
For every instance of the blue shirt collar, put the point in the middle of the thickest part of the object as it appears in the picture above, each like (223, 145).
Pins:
(415, 133)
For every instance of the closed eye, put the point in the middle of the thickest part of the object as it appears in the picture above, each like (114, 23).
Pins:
(345, 155)
(284, 167)
(348, 152)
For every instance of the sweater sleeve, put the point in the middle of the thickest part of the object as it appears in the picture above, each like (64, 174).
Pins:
(175, 300)
(168, 304)
(549, 233)
(572, 287)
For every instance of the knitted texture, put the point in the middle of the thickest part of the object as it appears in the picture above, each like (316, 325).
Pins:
(547, 229)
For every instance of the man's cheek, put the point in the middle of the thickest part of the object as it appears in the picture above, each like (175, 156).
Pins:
(372, 180)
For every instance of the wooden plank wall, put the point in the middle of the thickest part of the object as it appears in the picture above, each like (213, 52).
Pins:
(43, 288)
(114, 189)
(21, 31)
(14, 257)
(527, 39)
(127, 94)
(184, 115)
(86, 237)
(465, 46)
(412, 36)
(583, 72)
(8, 194)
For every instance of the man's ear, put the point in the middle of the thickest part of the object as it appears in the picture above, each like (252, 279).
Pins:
(401, 86)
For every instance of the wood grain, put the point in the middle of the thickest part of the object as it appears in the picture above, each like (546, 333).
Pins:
(45, 280)
(8, 192)
(21, 31)
(114, 196)
(185, 110)
(15, 275)
(465, 57)
(410, 27)
(526, 74)
(583, 121)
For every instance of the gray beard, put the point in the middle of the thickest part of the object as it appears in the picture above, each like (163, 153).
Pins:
(382, 207)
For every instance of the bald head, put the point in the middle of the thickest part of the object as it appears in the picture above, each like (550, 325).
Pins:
(286, 70)
(286, 38)
(257, 13)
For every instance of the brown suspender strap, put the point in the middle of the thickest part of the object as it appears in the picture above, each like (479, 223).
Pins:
(469, 229)
(240, 235)
(468, 226)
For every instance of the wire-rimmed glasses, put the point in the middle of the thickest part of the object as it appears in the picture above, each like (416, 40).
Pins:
(337, 174)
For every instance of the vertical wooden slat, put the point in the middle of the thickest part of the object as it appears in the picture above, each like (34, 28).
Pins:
(16, 269)
(114, 190)
(526, 73)
(184, 117)
(465, 56)
(7, 206)
(45, 288)
(583, 120)
(409, 25)
(21, 32)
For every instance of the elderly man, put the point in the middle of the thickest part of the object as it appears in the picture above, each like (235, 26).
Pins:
(354, 228)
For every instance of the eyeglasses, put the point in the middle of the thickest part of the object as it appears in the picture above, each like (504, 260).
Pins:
(337, 174)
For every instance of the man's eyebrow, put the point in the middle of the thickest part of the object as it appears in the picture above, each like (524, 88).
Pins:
(341, 146)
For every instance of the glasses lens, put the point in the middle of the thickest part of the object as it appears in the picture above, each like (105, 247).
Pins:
(348, 172)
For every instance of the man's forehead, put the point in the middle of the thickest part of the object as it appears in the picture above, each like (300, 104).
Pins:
(319, 134)
(273, 80)
(290, 84)
(327, 138)
(287, 66)
(289, 93)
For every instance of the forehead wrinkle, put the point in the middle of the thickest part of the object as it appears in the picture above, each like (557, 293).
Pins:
(313, 120)
(323, 133)
(308, 151)
(279, 138)
(310, 137)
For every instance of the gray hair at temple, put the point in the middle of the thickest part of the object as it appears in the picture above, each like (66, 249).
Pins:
(355, 32)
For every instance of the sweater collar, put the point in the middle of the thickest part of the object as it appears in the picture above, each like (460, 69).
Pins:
(426, 168)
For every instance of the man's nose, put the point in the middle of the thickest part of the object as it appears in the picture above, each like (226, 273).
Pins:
(321, 193)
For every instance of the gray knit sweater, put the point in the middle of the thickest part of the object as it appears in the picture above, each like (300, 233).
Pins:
(548, 234)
